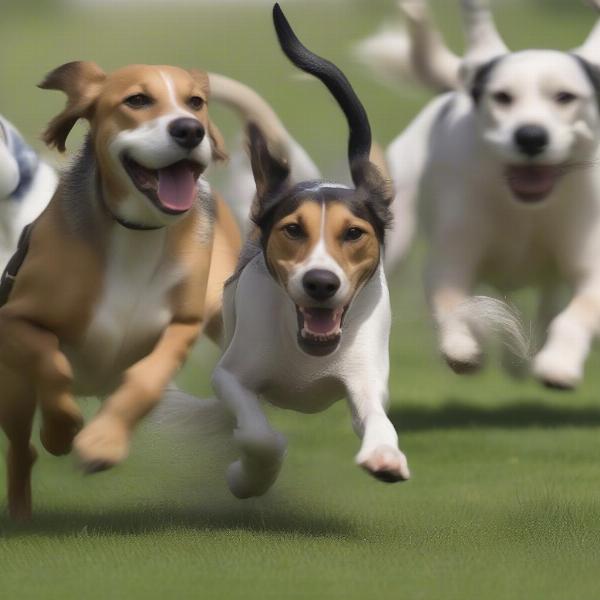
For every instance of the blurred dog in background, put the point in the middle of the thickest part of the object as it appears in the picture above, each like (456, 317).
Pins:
(26, 185)
(509, 161)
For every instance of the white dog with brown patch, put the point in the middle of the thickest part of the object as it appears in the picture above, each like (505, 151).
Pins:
(307, 316)
(509, 163)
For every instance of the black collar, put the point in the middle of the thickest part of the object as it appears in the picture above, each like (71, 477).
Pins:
(132, 225)
(124, 222)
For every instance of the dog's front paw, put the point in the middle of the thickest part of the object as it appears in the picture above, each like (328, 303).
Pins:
(257, 470)
(59, 430)
(462, 353)
(247, 481)
(555, 371)
(102, 444)
(385, 463)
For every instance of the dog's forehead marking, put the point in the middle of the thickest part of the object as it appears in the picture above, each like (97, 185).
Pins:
(170, 85)
(321, 185)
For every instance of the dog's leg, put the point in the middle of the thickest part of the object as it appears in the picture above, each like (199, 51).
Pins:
(16, 416)
(450, 281)
(104, 442)
(34, 353)
(560, 362)
(379, 453)
(262, 449)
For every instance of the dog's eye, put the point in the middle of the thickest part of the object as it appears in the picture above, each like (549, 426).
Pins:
(138, 101)
(503, 98)
(565, 97)
(353, 233)
(294, 231)
(195, 103)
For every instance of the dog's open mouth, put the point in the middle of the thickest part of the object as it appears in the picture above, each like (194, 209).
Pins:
(319, 329)
(532, 183)
(173, 188)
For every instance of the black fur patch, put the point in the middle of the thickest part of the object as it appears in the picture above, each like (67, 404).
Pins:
(482, 77)
(591, 71)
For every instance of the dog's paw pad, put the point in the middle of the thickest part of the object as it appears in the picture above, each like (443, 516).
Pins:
(101, 445)
(555, 372)
(385, 463)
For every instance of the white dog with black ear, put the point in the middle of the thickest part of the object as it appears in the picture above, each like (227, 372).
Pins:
(307, 316)
(26, 186)
(510, 165)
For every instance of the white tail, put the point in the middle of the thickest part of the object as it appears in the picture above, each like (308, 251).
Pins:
(417, 52)
(590, 49)
(483, 39)
(491, 318)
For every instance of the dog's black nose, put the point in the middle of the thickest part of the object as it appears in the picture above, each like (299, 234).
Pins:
(187, 132)
(321, 284)
(531, 139)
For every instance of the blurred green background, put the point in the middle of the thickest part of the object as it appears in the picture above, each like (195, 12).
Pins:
(504, 497)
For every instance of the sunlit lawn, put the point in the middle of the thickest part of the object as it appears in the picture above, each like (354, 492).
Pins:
(504, 497)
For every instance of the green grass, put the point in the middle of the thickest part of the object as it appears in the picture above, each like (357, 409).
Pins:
(504, 497)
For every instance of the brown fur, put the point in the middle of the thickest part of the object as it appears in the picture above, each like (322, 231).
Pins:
(55, 293)
(357, 258)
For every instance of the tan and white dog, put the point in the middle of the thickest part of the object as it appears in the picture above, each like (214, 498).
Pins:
(107, 293)
(509, 162)
(307, 315)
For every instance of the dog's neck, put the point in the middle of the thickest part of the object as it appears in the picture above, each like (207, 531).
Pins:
(83, 204)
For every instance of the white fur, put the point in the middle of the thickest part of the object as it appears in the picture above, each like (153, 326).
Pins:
(416, 52)
(152, 146)
(454, 156)
(15, 214)
(9, 171)
(131, 312)
(262, 360)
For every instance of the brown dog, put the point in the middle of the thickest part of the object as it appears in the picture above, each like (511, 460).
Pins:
(110, 295)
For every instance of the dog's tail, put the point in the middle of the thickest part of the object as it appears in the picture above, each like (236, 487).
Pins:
(253, 109)
(414, 52)
(490, 318)
(183, 413)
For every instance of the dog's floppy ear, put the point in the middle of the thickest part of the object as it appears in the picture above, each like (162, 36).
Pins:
(270, 174)
(219, 152)
(81, 81)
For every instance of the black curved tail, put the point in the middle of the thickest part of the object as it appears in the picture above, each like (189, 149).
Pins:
(359, 144)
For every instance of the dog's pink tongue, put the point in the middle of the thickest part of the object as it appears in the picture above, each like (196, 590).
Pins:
(532, 182)
(321, 320)
(177, 187)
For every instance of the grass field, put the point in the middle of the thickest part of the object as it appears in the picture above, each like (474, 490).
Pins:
(504, 498)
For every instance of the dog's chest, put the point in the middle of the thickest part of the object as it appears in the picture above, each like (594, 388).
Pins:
(132, 310)
(299, 387)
